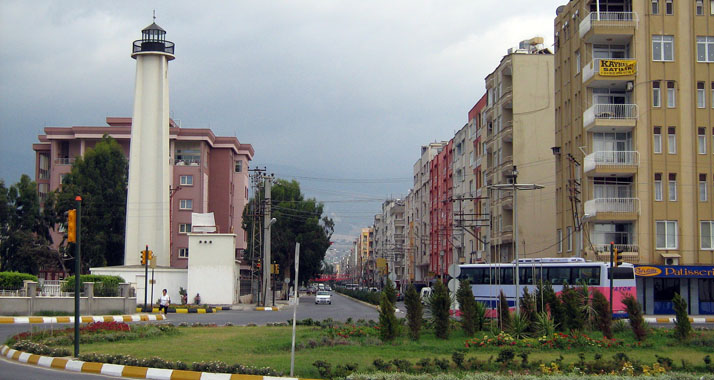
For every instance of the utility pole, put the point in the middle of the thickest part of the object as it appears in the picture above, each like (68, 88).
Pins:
(267, 221)
(77, 270)
(574, 195)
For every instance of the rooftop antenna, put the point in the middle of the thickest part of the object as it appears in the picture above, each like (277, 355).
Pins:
(154, 15)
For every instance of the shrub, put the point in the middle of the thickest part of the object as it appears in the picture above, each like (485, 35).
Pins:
(458, 358)
(39, 349)
(467, 305)
(519, 326)
(402, 365)
(104, 286)
(572, 302)
(554, 305)
(620, 326)
(415, 312)
(443, 364)
(14, 280)
(504, 314)
(603, 317)
(439, 304)
(381, 365)
(363, 295)
(505, 356)
(479, 316)
(683, 327)
(528, 308)
(637, 321)
(388, 323)
(390, 291)
(545, 326)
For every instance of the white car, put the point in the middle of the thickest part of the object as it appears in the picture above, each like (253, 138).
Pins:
(323, 297)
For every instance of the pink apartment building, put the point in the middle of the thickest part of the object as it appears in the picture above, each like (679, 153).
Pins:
(441, 211)
(209, 174)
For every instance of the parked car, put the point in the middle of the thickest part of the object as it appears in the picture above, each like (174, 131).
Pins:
(323, 296)
(425, 295)
(328, 288)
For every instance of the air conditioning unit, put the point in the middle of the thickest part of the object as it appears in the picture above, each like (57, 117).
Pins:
(671, 261)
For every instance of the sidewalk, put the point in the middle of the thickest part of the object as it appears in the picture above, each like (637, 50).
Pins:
(84, 319)
(672, 318)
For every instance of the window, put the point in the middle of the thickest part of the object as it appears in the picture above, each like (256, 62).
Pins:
(184, 228)
(701, 140)
(183, 253)
(239, 166)
(702, 187)
(658, 186)
(655, 7)
(657, 140)
(186, 204)
(705, 49)
(706, 235)
(662, 48)
(577, 61)
(570, 238)
(671, 141)
(666, 234)
(671, 95)
(701, 95)
(186, 180)
(672, 186)
(656, 94)
(669, 7)
(559, 236)
(711, 7)
(700, 7)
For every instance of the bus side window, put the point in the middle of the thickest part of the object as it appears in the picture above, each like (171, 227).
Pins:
(526, 277)
(507, 276)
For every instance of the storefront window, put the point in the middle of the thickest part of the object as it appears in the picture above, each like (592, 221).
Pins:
(664, 290)
(706, 296)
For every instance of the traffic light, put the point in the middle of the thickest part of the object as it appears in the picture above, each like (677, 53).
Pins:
(149, 255)
(257, 265)
(72, 226)
(618, 258)
(143, 257)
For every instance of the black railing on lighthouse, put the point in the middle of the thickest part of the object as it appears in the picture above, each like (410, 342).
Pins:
(161, 46)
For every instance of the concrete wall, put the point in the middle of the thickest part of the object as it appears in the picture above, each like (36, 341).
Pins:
(171, 279)
(213, 271)
(88, 304)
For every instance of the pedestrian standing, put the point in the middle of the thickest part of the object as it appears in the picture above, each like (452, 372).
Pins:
(164, 302)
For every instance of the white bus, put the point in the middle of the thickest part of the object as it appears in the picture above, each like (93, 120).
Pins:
(487, 280)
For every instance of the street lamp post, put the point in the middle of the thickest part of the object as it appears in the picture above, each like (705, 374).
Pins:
(515, 187)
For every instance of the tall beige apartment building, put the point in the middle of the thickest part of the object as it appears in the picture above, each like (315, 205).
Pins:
(518, 117)
(634, 102)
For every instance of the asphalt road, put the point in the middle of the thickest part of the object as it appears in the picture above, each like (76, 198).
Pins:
(340, 309)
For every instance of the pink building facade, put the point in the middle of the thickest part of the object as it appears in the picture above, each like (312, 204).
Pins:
(209, 174)
(442, 223)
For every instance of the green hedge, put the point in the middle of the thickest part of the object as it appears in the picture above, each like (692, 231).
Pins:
(362, 295)
(14, 280)
(104, 286)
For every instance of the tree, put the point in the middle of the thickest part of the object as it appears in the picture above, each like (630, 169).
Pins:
(634, 314)
(528, 308)
(467, 305)
(683, 327)
(603, 317)
(24, 233)
(415, 312)
(388, 323)
(100, 178)
(297, 220)
(390, 291)
(504, 313)
(572, 304)
(439, 303)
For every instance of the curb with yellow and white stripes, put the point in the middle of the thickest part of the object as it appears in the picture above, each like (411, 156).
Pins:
(84, 319)
(674, 319)
(125, 370)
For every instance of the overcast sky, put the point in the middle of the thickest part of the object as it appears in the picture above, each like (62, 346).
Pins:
(337, 94)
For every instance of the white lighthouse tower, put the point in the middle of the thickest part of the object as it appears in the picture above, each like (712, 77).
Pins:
(147, 210)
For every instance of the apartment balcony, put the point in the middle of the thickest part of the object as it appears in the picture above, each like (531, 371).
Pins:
(505, 235)
(506, 132)
(506, 165)
(609, 117)
(609, 72)
(630, 252)
(44, 174)
(618, 163)
(507, 97)
(64, 161)
(187, 162)
(506, 202)
(612, 209)
(608, 27)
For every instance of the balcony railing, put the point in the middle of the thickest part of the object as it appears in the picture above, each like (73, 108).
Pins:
(608, 19)
(64, 161)
(619, 247)
(612, 205)
(610, 112)
(611, 159)
(44, 174)
(593, 67)
(187, 162)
